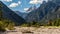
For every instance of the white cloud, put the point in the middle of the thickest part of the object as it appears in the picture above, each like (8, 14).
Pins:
(14, 4)
(7, 0)
(37, 1)
(25, 9)
(19, 2)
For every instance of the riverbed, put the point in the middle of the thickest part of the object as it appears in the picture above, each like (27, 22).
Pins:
(20, 30)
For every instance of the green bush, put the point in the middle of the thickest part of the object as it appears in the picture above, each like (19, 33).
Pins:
(2, 28)
(11, 26)
(32, 24)
(55, 22)
(6, 24)
(25, 25)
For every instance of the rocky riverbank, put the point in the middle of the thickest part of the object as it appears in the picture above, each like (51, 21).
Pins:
(41, 30)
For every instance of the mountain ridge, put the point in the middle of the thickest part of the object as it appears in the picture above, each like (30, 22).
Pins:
(42, 11)
(9, 14)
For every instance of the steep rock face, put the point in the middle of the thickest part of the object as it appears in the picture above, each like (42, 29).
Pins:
(55, 14)
(46, 9)
(9, 14)
(56, 1)
(23, 15)
(27, 12)
(31, 8)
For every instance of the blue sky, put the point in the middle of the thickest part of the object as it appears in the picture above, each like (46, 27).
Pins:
(22, 5)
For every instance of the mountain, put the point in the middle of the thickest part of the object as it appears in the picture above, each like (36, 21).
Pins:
(27, 12)
(9, 14)
(45, 12)
(54, 14)
(23, 15)
(56, 1)
(31, 8)
(36, 15)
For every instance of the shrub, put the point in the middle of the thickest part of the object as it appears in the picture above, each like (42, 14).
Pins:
(2, 28)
